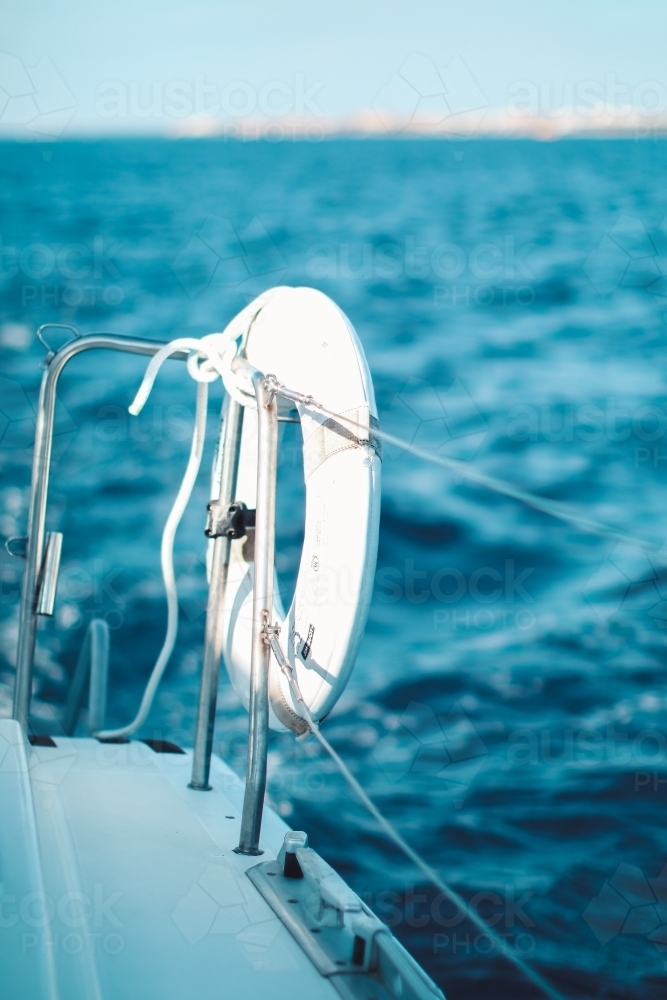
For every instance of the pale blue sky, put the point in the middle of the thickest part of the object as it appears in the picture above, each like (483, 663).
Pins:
(349, 48)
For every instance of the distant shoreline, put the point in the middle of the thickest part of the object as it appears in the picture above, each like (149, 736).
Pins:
(484, 124)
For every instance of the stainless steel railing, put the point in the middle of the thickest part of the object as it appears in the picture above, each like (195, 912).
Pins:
(265, 530)
(40, 576)
(208, 689)
(32, 577)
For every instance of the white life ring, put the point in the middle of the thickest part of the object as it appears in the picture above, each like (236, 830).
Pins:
(300, 336)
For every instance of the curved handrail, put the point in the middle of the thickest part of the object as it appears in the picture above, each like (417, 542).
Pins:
(41, 464)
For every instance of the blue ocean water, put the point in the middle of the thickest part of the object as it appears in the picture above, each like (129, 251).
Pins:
(508, 710)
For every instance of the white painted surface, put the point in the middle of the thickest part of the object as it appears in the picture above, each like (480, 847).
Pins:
(21, 879)
(120, 883)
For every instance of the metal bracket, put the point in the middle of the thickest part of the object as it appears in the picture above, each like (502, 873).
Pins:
(9, 542)
(49, 573)
(343, 938)
(50, 353)
(228, 521)
(271, 386)
(269, 632)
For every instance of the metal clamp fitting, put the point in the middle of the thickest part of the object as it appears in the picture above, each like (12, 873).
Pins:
(230, 521)
(271, 385)
(269, 632)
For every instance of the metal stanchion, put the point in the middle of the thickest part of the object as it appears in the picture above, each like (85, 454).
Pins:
(208, 689)
(267, 464)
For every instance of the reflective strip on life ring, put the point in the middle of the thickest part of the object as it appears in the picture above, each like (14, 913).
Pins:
(300, 336)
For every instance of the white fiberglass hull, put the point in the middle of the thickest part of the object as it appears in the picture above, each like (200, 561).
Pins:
(120, 882)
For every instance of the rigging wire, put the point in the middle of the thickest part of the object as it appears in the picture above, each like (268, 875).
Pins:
(541, 504)
(469, 472)
(427, 870)
(464, 469)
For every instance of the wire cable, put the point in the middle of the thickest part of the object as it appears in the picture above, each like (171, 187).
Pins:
(429, 872)
(469, 472)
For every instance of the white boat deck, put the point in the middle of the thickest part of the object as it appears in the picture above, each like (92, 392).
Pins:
(118, 882)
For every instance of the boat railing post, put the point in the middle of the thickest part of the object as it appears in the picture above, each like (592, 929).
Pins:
(265, 524)
(92, 667)
(39, 485)
(99, 674)
(208, 689)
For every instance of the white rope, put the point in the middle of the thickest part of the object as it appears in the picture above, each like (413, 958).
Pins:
(210, 357)
(205, 349)
(430, 873)
(167, 561)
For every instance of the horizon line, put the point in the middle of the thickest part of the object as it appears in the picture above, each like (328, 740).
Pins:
(480, 123)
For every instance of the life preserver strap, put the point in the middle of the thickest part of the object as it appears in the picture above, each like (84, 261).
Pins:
(336, 434)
